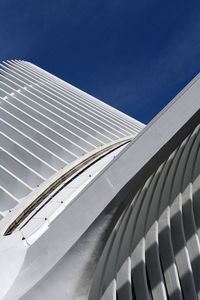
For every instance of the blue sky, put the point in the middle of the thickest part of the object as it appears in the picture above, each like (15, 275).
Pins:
(135, 55)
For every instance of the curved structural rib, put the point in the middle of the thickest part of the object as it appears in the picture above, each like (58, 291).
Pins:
(154, 249)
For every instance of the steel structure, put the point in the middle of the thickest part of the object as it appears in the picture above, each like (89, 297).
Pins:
(90, 209)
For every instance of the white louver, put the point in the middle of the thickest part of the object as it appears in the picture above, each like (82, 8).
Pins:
(153, 252)
(47, 127)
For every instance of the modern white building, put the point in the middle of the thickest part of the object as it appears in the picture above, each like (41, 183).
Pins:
(93, 204)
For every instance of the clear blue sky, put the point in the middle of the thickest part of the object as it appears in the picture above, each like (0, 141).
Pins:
(135, 55)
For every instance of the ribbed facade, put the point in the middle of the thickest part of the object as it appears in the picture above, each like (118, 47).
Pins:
(47, 126)
(154, 250)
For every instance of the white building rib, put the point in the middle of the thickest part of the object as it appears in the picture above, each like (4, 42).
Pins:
(38, 108)
(74, 105)
(39, 102)
(73, 111)
(80, 96)
(23, 154)
(45, 120)
(46, 127)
